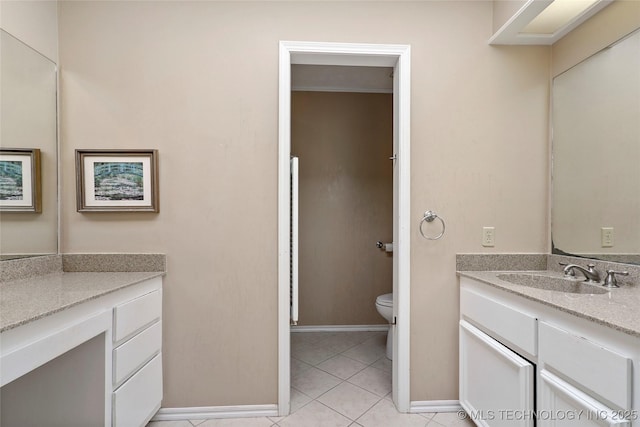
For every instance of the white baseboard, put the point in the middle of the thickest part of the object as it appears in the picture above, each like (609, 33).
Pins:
(341, 328)
(435, 406)
(212, 412)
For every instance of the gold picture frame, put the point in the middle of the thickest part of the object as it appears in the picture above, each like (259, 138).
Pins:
(20, 180)
(117, 181)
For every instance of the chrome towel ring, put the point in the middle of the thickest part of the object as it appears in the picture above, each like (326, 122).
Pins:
(429, 216)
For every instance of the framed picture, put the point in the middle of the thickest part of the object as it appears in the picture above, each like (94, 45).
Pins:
(117, 180)
(20, 185)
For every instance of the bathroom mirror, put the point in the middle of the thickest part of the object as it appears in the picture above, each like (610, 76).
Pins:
(29, 121)
(596, 155)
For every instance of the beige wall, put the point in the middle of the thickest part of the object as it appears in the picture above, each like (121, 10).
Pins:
(343, 141)
(198, 81)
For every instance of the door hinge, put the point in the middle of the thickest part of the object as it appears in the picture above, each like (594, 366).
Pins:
(395, 319)
(394, 157)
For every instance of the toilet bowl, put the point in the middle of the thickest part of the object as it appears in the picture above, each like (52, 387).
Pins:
(384, 305)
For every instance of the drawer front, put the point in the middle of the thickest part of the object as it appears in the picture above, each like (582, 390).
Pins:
(500, 320)
(598, 369)
(138, 399)
(134, 353)
(134, 315)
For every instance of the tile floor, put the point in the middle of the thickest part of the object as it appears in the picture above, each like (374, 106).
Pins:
(337, 379)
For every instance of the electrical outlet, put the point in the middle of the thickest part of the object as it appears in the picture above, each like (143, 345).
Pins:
(488, 236)
(606, 237)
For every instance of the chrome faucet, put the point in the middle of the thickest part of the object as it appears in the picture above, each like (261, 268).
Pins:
(590, 273)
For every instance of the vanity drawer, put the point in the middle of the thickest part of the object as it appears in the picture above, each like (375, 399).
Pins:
(134, 353)
(587, 363)
(500, 320)
(137, 400)
(132, 316)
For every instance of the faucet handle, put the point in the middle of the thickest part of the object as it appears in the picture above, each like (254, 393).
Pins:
(610, 281)
(591, 268)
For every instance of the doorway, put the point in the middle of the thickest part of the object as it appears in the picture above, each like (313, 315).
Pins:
(343, 140)
(397, 57)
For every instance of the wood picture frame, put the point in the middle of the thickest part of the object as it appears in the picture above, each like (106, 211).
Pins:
(117, 181)
(20, 180)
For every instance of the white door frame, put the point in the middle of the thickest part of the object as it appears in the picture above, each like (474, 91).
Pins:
(374, 55)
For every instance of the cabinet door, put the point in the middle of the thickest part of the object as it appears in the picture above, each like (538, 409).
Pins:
(496, 385)
(562, 405)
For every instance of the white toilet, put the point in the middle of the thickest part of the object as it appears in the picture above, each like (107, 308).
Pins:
(384, 305)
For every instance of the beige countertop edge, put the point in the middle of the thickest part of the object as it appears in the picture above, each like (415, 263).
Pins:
(29, 289)
(547, 298)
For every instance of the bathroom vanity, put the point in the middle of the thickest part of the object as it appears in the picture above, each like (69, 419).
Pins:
(81, 349)
(534, 356)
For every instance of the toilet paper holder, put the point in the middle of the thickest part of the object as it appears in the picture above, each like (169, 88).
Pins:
(388, 247)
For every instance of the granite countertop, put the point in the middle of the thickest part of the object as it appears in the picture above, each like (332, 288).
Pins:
(29, 299)
(618, 309)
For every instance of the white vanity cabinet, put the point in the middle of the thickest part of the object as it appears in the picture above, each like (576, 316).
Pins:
(583, 373)
(94, 363)
(137, 360)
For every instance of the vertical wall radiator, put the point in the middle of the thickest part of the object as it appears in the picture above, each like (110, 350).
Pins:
(294, 241)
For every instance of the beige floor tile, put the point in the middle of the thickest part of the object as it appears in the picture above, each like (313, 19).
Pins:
(314, 382)
(238, 422)
(374, 380)
(341, 366)
(427, 415)
(349, 400)
(338, 345)
(451, 419)
(378, 339)
(298, 400)
(312, 353)
(384, 414)
(308, 337)
(315, 414)
(384, 364)
(367, 352)
(298, 366)
(358, 337)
